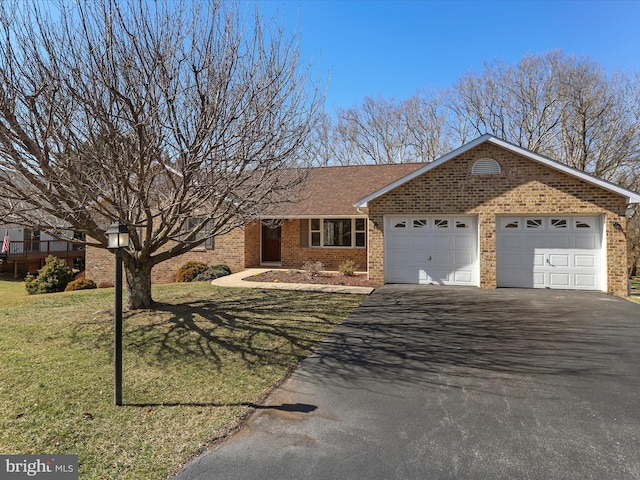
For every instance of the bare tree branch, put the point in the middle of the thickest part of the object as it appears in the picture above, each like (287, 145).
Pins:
(149, 113)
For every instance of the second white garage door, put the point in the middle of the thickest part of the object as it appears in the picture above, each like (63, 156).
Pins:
(550, 252)
(431, 250)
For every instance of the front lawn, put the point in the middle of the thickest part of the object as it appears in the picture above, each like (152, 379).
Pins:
(192, 370)
(635, 290)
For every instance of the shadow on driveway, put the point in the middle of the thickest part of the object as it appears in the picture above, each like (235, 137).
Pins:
(415, 334)
(455, 383)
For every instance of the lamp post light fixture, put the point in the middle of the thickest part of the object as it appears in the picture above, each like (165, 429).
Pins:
(118, 238)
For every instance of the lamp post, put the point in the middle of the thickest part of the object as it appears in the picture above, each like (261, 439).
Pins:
(118, 238)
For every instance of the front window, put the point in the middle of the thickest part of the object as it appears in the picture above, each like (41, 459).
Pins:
(195, 222)
(315, 232)
(338, 232)
(361, 232)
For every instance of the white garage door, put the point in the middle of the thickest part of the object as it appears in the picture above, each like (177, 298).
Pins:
(431, 250)
(550, 252)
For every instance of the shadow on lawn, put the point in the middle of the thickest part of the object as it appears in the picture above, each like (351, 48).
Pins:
(244, 331)
(264, 327)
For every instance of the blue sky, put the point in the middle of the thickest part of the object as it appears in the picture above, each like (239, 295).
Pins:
(394, 48)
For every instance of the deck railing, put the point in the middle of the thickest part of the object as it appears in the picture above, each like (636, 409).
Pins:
(43, 248)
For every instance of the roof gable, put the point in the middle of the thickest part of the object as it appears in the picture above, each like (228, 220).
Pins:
(631, 197)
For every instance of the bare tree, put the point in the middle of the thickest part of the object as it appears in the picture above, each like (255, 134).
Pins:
(425, 118)
(322, 147)
(375, 130)
(384, 130)
(558, 105)
(149, 113)
(520, 103)
(599, 123)
(632, 235)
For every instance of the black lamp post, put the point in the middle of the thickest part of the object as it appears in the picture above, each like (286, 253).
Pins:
(118, 235)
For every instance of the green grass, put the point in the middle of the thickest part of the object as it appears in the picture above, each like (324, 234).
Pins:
(635, 293)
(193, 368)
(12, 291)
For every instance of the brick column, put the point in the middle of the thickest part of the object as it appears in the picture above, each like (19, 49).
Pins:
(487, 250)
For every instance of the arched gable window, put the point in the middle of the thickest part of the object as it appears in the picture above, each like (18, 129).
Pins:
(486, 166)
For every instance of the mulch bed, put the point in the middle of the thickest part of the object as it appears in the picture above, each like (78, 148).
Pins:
(324, 278)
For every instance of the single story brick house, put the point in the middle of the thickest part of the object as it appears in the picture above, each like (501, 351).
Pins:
(488, 214)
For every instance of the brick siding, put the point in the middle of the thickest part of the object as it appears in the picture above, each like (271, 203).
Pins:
(524, 187)
(229, 249)
(294, 255)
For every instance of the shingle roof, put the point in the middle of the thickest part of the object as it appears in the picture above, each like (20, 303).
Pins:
(333, 191)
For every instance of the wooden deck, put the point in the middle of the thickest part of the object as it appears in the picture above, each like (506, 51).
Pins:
(38, 250)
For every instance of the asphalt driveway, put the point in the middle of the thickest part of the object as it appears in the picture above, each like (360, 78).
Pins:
(454, 383)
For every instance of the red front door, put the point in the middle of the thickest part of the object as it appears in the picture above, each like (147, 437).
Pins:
(271, 243)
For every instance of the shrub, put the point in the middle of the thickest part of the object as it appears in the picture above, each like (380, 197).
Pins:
(222, 267)
(53, 277)
(313, 268)
(80, 284)
(189, 271)
(348, 268)
(212, 273)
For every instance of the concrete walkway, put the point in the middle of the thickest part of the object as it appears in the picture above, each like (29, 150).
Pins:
(236, 280)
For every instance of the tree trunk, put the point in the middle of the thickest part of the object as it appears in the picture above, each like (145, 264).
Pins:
(138, 284)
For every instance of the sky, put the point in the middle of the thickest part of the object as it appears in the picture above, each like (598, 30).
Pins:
(395, 48)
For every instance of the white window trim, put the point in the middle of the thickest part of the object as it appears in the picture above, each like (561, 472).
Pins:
(353, 232)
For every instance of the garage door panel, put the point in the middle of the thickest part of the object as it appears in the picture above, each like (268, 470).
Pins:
(463, 242)
(463, 258)
(537, 258)
(400, 242)
(511, 242)
(585, 242)
(561, 252)
(421, 252)
(533, 241)
(585, 280)
(559, 241)
(431, 250)
(442, 242)
(463, 276)
(538, 280)
(511, 259)
(515, 279)
(399, 275)
(561, 280)
(431, 276)
(585, 261)
(558, 260)
(441, 259)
